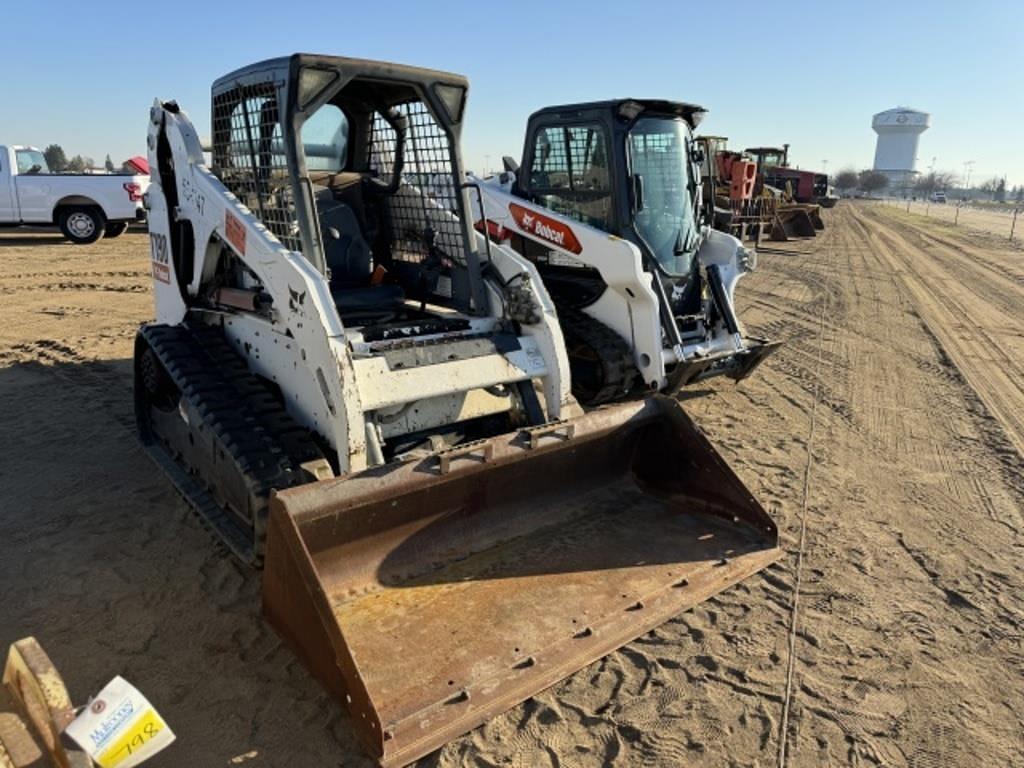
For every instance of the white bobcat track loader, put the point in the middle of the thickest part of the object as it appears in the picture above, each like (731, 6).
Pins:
(607, 204)
(363, 395)
(380, 329)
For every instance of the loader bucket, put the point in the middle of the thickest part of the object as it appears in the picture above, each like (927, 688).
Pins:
(432, 595)
(777, 233)
(792, 220)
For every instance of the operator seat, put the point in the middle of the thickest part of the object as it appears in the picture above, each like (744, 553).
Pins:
(350, 259)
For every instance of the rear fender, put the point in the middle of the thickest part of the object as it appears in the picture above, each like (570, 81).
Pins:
(78, 201)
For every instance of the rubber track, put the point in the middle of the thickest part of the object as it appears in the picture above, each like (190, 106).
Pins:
(618, 368)
(264, 442)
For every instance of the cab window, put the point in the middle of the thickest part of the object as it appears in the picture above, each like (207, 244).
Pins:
(31, 161)
(569, 173)
(325, 139)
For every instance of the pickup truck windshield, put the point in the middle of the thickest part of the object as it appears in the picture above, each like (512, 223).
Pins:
(659, 155)
(31, 161)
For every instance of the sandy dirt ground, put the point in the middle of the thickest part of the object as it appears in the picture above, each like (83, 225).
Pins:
(891, 425)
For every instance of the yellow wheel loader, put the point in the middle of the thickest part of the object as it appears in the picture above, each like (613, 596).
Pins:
(365, 396)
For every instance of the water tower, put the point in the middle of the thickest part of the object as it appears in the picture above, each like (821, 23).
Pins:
(899, 131)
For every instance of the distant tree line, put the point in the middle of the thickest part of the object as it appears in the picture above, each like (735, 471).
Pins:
(58, 161)
(867, 181)
(925, 185)
(998, 192)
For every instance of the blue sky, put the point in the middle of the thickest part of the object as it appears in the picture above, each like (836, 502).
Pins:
(809, 73)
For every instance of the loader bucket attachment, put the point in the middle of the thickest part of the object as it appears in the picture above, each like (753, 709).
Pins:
(432, 595)
(777, 233)
(794, 221)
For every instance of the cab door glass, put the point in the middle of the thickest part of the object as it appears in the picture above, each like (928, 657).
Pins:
(31, 161)
(659, 151)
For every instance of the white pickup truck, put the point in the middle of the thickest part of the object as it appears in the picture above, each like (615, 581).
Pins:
(85, 207)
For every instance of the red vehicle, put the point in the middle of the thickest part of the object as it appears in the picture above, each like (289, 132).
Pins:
(804, 186)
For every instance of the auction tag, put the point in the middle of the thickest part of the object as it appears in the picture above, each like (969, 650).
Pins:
(120, 727)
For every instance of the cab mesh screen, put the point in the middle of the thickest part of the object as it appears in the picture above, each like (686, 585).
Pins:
(249, 158)
(427, 206)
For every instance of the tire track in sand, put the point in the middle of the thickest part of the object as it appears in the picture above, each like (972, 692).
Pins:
(964, 326)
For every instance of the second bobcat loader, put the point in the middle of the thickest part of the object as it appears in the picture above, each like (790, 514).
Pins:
(607, 204)
(365, 396)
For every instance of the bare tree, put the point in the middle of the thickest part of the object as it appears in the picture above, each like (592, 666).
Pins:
(872, 181)
(845, 180)
(989, 186)
(76, 164)
(936, 181)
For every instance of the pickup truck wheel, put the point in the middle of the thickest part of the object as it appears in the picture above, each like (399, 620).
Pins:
(82, 225)
(116, 229)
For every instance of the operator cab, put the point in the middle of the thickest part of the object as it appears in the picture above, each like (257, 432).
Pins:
(357, 169)
(349, 206)
(630, 168)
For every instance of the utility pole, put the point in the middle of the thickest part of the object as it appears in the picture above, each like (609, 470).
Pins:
(968, 166)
